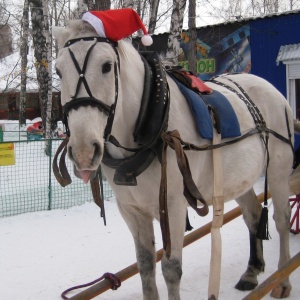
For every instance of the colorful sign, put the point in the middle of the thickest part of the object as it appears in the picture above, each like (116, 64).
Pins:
(219, 52)
(7, 154)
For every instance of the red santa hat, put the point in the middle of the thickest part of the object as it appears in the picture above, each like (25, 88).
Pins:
(116, 24)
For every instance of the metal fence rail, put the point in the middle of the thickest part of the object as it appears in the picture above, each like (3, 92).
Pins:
(30, 185)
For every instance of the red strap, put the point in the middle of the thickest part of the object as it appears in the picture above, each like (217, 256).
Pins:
(197, 83)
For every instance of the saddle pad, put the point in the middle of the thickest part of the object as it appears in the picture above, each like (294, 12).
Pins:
(228, 120)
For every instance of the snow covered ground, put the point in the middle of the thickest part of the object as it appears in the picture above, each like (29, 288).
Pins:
(44, 253)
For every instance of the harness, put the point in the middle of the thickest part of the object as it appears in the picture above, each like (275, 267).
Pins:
(152, 120)
(150, 133)
(75, 102)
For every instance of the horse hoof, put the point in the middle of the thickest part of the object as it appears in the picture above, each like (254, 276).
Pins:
(243, 285)
(280, 292)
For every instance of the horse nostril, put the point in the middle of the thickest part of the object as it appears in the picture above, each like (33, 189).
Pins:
(70, 154)
(97, 152)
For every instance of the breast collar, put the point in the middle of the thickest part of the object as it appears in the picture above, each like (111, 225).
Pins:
(152, 119)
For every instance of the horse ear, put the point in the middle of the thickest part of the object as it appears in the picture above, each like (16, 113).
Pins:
(57, 33)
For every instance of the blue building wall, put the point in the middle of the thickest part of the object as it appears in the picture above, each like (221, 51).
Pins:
(266, 37)
(258, 47)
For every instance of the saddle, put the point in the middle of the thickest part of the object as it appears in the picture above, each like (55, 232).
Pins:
(210, 108)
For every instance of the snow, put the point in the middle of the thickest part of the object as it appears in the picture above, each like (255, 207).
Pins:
(44, 253)
(10, 72)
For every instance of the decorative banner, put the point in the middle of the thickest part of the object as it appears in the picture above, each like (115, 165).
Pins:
(7, 154)
(225, 51)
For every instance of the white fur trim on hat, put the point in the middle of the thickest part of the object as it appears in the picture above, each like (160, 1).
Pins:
(95, 22)
(147, 40)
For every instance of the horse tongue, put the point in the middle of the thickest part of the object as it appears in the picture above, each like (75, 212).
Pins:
(85, 175)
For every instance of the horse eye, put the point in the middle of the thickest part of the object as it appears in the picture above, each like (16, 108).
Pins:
(106, 67)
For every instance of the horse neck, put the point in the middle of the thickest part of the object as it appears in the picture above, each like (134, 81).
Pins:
(131, 83)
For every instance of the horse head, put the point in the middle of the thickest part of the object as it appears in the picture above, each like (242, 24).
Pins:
(88, 92)
(88, 67)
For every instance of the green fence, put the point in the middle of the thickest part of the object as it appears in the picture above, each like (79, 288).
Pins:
(29, 184)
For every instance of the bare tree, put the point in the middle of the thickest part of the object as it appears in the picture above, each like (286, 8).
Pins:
(127, 3)
(40, 45)
(153, 16)
(48, 38)
(193, 37)
(90, 4)
(175, 31)
(293, 4)
(80, 9)
(102, 4)
(23, 54)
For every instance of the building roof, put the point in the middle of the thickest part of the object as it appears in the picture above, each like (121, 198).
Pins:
(244, 19)
(288, 53)
(263, 16)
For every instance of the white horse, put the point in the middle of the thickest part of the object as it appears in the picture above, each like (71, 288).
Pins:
(96, 75)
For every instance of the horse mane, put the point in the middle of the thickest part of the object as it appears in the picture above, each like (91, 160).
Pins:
(74, 29)
(127, 51)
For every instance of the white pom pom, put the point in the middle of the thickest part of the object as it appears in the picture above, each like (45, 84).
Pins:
(147, 40)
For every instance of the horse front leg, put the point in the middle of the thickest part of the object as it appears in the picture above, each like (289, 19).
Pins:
(141, 227)
(282, 214)
(251, 210)
(172, 266)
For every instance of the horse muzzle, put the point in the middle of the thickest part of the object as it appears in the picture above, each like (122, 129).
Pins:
(86, 159)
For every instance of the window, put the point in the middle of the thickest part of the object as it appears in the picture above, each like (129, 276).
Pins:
(293, 87)
(289, 55)
(297, 98)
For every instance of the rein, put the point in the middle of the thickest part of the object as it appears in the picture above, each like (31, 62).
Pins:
(61, 172)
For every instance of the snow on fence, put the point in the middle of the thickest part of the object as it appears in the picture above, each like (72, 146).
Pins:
(28, 184)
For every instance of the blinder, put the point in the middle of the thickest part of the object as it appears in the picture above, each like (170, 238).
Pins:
(75, 102)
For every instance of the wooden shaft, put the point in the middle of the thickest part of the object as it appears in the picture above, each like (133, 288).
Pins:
(274, 280)
(132, 270)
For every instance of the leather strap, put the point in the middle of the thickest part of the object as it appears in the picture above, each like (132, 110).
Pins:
(97, 192)
(163, 205)
(63, 177)
(191, 192)
(61, 172)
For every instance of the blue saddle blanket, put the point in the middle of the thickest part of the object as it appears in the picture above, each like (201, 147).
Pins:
(229, 124)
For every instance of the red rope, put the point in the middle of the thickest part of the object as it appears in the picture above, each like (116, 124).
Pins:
(114, 280)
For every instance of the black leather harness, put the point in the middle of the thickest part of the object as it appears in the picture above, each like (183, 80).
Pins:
(150, 132)
(152, 117)
(75, 102)
(152, 120)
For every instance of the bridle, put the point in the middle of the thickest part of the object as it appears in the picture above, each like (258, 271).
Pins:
(75, 102)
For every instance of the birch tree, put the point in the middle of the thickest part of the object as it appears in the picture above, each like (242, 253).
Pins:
(48, 38)
(128, 4)
(40, 45)
(153, 16)
(23, 53)
(80, 9)
(193, 37)
(173, 46)
(90, 4)
(102, 4)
